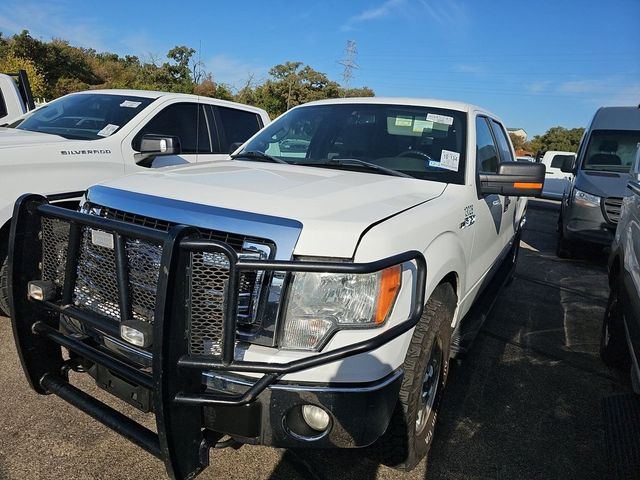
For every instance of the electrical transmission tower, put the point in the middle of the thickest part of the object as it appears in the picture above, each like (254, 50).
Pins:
(349, 63)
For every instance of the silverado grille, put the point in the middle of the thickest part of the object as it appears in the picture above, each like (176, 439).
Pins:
(96, 287)
(611, 207)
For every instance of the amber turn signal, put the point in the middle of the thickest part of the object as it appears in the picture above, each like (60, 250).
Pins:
(390, 281)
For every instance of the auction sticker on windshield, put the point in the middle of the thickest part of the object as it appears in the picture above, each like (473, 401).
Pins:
(130, 104)
(435, 118)
(108, 130)
(448, 160)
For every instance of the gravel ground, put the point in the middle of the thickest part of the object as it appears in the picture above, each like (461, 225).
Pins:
(523, 403)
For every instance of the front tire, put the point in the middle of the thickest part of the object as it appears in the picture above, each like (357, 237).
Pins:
(4, 282)
(410, 433)
(614, 351)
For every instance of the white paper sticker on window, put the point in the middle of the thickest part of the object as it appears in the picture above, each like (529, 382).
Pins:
(420, 125)
(404, 121)
(130, 104)
(108, 130)
(450, 160)
(435, 118)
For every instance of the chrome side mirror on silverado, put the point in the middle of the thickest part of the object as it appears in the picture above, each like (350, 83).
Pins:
(152, 146)
(518, 179)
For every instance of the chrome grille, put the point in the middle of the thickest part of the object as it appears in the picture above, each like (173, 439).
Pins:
(611, 207)
(96, 287)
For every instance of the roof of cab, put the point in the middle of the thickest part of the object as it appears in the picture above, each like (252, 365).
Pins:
(156, 94)
(419, 102)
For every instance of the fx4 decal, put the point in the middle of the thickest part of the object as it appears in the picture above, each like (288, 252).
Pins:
(469, 217)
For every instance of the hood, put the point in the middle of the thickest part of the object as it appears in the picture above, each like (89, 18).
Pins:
(603, 184)
(334, 206)
(13, 137)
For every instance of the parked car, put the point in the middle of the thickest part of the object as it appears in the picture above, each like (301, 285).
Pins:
(16, 97)
(591, 206)
(86, 137)
(556, 182)
(620, 340)
(525, 159)
(293, 297)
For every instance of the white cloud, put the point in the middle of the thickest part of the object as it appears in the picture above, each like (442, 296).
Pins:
(374, 13)
(234, 72)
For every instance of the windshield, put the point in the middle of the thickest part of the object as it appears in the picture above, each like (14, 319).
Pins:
(423, 142)
(84, 116)
(611, 150)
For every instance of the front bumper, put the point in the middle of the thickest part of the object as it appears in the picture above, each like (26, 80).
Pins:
(189, 418)
(587, 224)
(359, 413)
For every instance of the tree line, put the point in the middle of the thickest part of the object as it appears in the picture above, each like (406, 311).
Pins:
(556, 138)
(56, 68)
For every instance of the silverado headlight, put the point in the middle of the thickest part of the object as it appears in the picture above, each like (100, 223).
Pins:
(319, 303)
(585, 199)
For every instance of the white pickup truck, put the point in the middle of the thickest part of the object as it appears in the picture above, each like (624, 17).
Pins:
(308, 293)
(87, 137)
(16, 97)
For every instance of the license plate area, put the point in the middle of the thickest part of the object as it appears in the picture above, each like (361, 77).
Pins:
(134, 395)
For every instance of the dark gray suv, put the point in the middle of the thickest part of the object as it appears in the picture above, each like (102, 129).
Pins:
(620, 341)
(591, 206)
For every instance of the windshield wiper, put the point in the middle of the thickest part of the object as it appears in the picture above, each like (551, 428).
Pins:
(256, 155)
(362, 163)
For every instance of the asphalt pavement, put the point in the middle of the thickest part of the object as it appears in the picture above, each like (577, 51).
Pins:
(524, 403)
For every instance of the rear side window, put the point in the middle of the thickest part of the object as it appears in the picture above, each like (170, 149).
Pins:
(486, 151)
(238, 125)
(503, 143)
(184, 120)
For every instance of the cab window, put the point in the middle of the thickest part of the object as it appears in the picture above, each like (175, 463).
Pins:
(238, 126)
(503, 144)
(186, 121)
(486, 151)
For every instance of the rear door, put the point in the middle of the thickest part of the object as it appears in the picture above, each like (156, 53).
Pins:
(234, 126)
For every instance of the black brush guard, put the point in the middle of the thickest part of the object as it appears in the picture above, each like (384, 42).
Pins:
(176, 381)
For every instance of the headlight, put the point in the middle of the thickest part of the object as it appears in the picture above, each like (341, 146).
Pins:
(585, 199)
(319, 303)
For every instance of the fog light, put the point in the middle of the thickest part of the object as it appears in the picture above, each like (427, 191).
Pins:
(315, 417)
(137, 333)
(41, 290)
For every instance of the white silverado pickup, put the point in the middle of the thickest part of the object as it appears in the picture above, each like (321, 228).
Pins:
(308, 293)
(88, 137)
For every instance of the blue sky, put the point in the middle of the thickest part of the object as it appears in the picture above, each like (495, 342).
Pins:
(536, 64)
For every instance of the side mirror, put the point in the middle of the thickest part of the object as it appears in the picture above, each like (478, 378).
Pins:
(234, 146)
(152, 146)
(517, 179)
(569, 164)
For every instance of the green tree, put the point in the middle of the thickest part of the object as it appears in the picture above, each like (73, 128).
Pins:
(517, 140)
(557, 138)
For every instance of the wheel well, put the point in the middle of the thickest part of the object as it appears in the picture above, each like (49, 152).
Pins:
(4, 238)
(452, 279)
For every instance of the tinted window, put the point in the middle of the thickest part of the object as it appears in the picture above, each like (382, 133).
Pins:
(3, 106)
(486, 152)
(424, 142)
(238, 125)
(503, 143)
(184, 120)
(612, 150)
(85, 116)
(558, 160)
